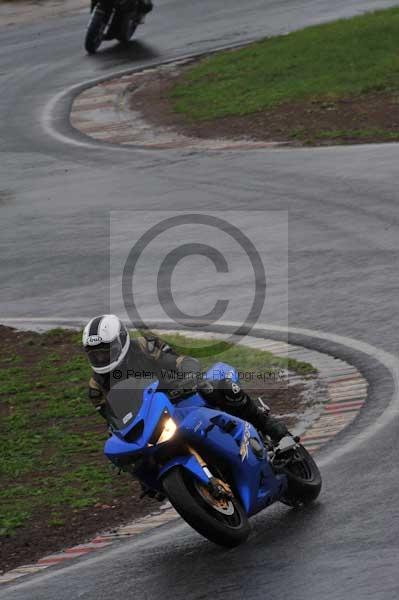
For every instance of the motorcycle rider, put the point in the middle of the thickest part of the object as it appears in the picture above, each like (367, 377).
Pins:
(146, 6)
(113, 357)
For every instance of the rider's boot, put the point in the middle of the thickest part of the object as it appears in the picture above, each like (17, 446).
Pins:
(256, 412)
(260, 418)
(231, 397)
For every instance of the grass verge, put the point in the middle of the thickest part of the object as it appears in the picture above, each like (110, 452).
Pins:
(51, 440)
(52, 468)
(322, 70)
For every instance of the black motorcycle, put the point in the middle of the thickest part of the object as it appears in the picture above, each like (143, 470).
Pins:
(112, 19)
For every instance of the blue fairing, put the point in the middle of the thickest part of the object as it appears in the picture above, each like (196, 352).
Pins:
(222, 438)
(153, 406)
(190, 463)
(252, 476)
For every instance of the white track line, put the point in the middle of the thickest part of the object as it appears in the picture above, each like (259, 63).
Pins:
(48, 117)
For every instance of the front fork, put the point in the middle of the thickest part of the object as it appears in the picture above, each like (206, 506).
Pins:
(98, 8)
(218, 488)
(102, 4)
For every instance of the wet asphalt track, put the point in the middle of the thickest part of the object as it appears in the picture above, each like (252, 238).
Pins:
(343, 278)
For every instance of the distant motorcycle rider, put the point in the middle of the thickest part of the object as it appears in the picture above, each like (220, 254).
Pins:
(113, 357)
(146, 6)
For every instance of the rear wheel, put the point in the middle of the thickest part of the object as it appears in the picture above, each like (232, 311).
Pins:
(222, 521)
(304, 479)
(95, 31)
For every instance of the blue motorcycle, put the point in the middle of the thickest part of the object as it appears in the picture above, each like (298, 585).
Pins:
(215, 469)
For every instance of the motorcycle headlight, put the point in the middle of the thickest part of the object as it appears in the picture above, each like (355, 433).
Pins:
(168, 431)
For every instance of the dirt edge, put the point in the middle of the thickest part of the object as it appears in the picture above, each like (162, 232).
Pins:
(370, 118)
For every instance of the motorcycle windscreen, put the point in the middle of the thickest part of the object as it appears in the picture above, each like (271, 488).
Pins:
(124, 401)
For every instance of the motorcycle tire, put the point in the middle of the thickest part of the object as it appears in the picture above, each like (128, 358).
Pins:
(304, 479)
(126, 30)
(222, 529)
(95, 30)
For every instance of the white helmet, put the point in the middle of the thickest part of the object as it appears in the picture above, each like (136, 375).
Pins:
(106, 341)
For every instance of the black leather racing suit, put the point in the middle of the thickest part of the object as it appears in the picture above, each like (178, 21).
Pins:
(146, 6)
(151, 358)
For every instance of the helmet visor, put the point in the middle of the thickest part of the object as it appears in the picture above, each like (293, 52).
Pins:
(104, 354)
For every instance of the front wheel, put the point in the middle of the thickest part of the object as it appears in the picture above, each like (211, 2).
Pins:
(304, 478)
(95, 31)
(222, 522)
(126, 30)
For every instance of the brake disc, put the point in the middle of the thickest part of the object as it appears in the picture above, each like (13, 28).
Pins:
(222, 505)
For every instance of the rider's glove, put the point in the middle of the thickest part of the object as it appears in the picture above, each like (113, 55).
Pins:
(206, 387)
(183, 387)
(210, 391)
(156, 346)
